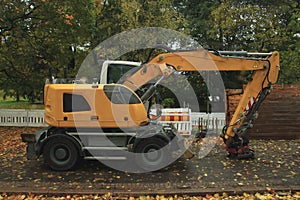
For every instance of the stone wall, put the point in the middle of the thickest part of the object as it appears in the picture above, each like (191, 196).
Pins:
(279, 114)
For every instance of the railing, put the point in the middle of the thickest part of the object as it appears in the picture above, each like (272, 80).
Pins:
(22, 117)
(183, 119)
(212, 121)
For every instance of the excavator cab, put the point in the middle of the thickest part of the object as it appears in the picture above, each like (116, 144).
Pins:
(88, 105)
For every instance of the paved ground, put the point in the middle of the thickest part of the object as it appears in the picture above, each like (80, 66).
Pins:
(276, 167)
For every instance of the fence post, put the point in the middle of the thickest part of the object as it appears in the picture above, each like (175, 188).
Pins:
(27, 115)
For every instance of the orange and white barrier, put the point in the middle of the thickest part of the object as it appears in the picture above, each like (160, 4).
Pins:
(179, 117)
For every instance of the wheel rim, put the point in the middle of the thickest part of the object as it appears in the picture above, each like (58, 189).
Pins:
(60, 154)
(152, 155)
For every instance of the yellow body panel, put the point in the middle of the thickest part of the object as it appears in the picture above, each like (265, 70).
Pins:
(102, 113)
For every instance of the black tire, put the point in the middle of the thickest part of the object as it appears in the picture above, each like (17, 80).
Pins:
(151, 154)
(60, 154)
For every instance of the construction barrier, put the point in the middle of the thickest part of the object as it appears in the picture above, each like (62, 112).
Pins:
(186, 121)
(182, 118)
(179, 117)
(22, 117)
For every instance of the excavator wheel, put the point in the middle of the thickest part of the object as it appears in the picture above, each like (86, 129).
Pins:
(60, 154)
(151, 154)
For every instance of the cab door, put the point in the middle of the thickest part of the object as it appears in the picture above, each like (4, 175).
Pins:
(125, 109)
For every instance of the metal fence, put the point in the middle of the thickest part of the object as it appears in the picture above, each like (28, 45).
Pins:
(212, 121)
(35, 118)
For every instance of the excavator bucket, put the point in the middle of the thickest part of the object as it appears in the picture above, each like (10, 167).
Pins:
(188, 154)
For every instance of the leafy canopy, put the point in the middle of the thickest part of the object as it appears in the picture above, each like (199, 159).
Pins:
(43, 38)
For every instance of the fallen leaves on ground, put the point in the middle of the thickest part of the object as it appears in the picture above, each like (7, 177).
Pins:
(277, 163)
(109, 196)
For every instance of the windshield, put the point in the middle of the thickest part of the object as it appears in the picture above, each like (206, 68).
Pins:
(116, 71)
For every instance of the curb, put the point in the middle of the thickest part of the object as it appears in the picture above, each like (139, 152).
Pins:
(188, 192)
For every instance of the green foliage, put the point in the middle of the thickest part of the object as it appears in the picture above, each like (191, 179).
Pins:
(249, 25)
(198, 13)
(41, 38)
(260, 26)
(290, 69)
(117, 16)
(36, 40)
(22, 104)
(37, 36)
(237, 25)
(290, 54)
(168, 103)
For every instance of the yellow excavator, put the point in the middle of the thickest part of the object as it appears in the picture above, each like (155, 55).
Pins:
(109, 121)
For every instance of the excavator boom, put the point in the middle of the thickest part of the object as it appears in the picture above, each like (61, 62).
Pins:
(264, 69)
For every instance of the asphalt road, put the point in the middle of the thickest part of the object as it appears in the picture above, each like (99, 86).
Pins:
(276, 166)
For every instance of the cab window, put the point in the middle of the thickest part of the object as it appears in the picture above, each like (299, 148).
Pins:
(120, 95)
(75, 103)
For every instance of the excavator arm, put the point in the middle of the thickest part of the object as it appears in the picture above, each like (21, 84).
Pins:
(264, 69)
(146, 73)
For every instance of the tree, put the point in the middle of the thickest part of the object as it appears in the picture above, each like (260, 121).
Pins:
(290, 53)
(250, 25)
(44, 38)
(246, 25)
(198, 14)
(41, 39)
(36, 39)
(260, 26)
(116, 16)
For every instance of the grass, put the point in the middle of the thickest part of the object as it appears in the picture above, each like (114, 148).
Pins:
(11, 103)
(23, 104)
